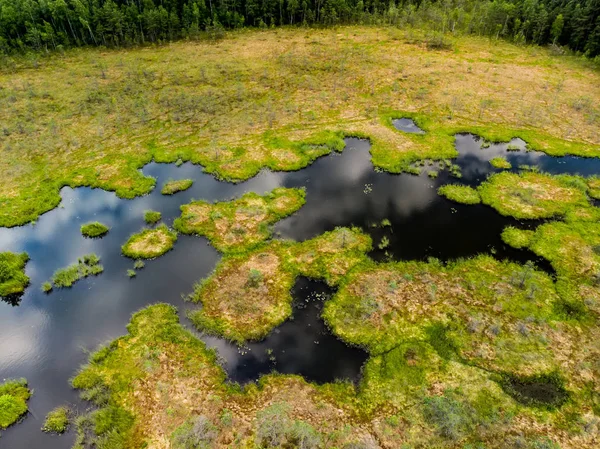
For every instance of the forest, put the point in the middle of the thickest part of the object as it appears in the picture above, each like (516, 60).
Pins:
(46, 25)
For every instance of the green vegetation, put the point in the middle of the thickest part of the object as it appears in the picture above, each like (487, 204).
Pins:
(533, 195)
(149, 243)
(94, 230)
(47, 287)
(240, 224)
(152, 217)
(139, 264)
(172, 187)
(249, 293)
(501, 163)
(460, 194)
(57, 420)
(86, 266)
(13, 401)
(131, 273)
(131, 109)
(13, 279)
(517, 238)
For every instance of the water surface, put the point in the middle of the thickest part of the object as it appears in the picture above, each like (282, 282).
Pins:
(44, 337)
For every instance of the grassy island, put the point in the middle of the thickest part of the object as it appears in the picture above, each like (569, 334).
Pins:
(460, 194)
(150, 243)
(13, 279)
(94, 230)
(14, 395)
(172, 187)
(240, 224)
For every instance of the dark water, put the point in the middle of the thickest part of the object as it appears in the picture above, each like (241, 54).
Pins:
(44, 337)
(407, 125)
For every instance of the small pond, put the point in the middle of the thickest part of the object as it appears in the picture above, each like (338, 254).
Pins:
(45, 337)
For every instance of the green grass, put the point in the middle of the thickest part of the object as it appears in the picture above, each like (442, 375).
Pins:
(245, 103)
(139, 264)
(249, 293)
(500, 163)
(57, 420)
(150, 243)
(86, 266)
(240, 224)
(13, 279)
(532, 195)
(94, 230)
(172, 187)
(14, 395)
(131, 273)
(517, 238)
(460, 194)
(152, 217)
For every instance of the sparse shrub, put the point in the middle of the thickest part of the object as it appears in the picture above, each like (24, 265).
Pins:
(196, 433)
(303, 436)
(449, 415)
(255, 278)
(272, 425)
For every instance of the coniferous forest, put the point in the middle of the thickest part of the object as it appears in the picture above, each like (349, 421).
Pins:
(59, 24)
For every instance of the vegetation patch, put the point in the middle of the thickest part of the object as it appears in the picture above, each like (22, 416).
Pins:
(152, 217)
(85, 266)
(242, 223)
(517, 238)
(149, 243)
(249, 294)
(172, 187)
(500, 163)
(13, 279)
(57, 420)
(531, 195)
(94, 230)
(460, 193)
(273, 116)
(14, 395)
(246, 296)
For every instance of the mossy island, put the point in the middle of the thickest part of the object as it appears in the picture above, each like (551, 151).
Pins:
(14, 395)
(13, 279)
(57, 420)
(150, 243)
(460, 193)
(94, 230)
(172, 187)
(152, 217)
(240, 224)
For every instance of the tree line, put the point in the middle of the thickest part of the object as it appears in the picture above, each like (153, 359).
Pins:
(57, 24)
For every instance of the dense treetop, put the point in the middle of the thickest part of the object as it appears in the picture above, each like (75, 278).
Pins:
(55, 24)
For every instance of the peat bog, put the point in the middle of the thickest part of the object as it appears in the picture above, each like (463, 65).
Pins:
(42, 336)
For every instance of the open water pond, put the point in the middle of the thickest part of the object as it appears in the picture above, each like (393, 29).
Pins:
(44, 337)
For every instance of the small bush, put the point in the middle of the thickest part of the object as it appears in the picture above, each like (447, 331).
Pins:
(94, 230)
(131, 273)
(196, 433)
(255, 278)
(57, 420)
(152, 217)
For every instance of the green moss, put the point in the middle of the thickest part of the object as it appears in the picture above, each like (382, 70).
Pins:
(95, 229)
(57, 420)
(500, 163)
(172, 187)
(13, 279)
(240, 224)
(460, 194)
(517, 238)
(86, 266)
(533, 195)
(149, 243)
(152, 217)
(14, 395)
